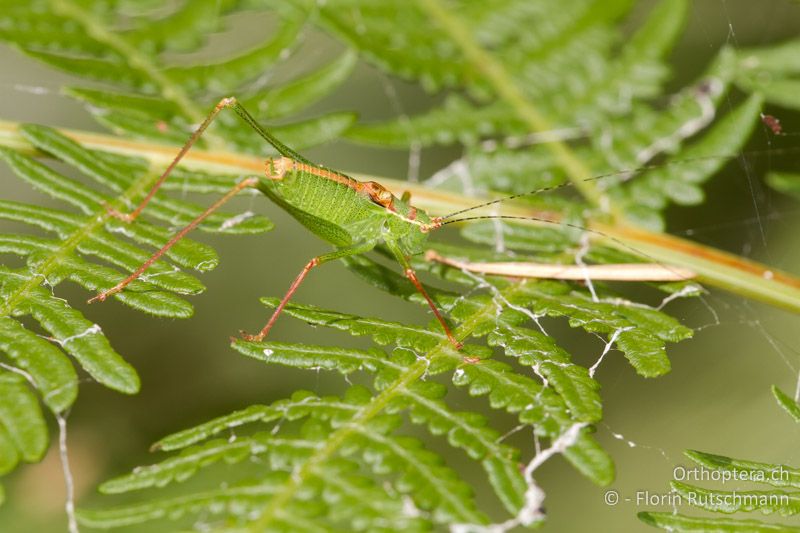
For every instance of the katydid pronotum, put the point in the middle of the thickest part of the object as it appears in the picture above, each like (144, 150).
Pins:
(352, 215)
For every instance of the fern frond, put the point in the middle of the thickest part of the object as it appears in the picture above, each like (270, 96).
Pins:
(637, 132)
(766, 502)
(24, 432)
(551, 410)
(570, 399)
(584, 96)
(677, 522)
(301, 92)
(154, 99)
(419, 471)
(75, 248)
(682, 185)
(772, 71)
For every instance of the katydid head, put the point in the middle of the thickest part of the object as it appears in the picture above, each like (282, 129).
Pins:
(405, 224)
(403, 208)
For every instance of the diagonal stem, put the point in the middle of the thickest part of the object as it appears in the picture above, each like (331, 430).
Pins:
(717, 268)
(714, 267)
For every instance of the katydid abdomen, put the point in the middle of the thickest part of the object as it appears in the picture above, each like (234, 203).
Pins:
(333, 211)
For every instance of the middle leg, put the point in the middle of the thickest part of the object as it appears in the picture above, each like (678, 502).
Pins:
(412, 276)
(316, 261)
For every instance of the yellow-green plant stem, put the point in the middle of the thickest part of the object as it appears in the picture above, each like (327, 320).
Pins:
(716, 268)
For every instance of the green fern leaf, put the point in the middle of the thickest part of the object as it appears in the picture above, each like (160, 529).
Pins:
(790, 477)
(787, 403)
(681, 184)
(637, 73)
(785, 182)
(767, 502)
(677, 522)
(155, 100)
(236, 71)
(773, 72)
(433, 484)
(51, 372)
(181, 30)
(23, 428)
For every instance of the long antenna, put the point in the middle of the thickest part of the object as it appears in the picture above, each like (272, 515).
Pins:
(632, 170)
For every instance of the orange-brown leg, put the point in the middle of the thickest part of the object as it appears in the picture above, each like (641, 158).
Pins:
(249, 182)
(338, 254)
(402, 258)
(130, 217)
(411, 275)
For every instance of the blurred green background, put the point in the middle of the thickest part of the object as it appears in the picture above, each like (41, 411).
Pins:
(716, 398)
